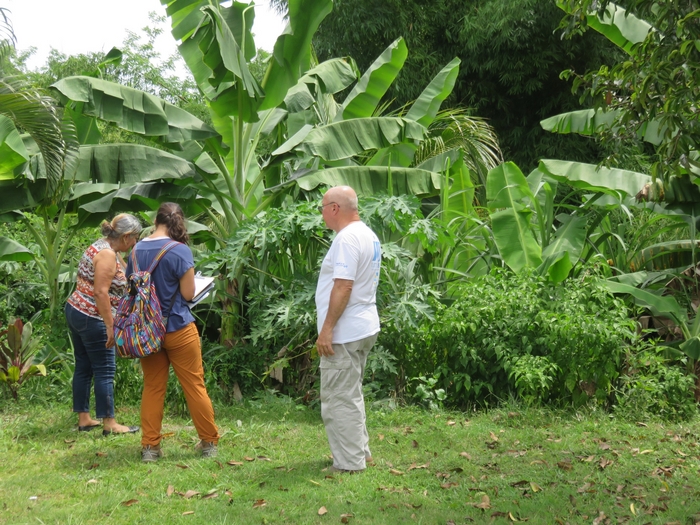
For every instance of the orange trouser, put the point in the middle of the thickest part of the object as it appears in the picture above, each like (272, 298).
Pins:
(181, 349)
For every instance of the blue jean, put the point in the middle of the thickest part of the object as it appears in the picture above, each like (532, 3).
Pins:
(92, 359)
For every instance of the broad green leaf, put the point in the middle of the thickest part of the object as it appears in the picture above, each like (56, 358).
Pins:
(590, 121)
(460, 194)
(558, 266)
(330, 77)
(622, 28)
(11, 250)
(369, 180)
(595, 178)
(664, 306)
(133, 198)
(666, 255)
(291, 56)
(344, 139)
(691, 348)
(129, 163)
(515, 241)
(12, 150)
(570, 237)
(427, 105)
(374, 83)
(505, 186)
(132, 109)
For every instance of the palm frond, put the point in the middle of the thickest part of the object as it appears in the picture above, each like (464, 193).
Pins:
(38, 116)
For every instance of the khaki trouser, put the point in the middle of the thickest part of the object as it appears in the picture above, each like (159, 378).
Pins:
(343, 405)
(181, 349)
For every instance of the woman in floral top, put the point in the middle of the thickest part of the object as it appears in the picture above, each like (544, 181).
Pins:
(89, 311)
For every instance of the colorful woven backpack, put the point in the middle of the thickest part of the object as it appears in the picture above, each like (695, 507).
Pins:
(139, 326)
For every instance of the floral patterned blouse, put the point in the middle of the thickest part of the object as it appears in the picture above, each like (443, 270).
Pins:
(83, 298)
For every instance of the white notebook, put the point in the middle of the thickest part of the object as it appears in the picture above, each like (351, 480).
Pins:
(202, 286)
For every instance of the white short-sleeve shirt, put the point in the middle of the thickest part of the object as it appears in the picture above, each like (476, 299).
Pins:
(355, 255)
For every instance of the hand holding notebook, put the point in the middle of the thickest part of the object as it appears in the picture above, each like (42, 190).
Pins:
(202, 286)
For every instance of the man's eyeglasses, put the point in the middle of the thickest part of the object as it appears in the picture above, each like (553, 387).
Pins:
(320, 208)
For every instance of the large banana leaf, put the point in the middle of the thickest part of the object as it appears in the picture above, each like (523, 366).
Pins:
(369, 180)
(129, 163)
(134, 197)
(344, 139)
(666, 255)
(291, 57)
(595, 178)
(662, 306)
(507, 190)
(12, 151)
(589, 121)
(564, 251)
(427, 105)
(11, 250)
(374, 83)
(132, 109)
(331, 76)
(620, 27)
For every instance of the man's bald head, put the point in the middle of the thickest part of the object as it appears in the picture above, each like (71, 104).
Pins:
(339, 207)
(345, 196)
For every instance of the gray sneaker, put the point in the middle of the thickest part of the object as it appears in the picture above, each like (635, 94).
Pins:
(208, 449)
(151, 454)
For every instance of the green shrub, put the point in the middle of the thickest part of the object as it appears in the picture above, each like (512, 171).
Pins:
(508, 334)
(654, 385)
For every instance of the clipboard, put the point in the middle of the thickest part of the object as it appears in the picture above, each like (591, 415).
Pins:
(202, 286)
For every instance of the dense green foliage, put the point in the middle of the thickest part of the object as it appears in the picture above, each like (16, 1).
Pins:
(656, 85)
(511, 57)
(508, 334)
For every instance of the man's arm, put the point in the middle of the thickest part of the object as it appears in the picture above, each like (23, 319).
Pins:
(340, 295)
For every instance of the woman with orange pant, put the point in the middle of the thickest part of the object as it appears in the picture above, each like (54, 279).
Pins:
(174, 281)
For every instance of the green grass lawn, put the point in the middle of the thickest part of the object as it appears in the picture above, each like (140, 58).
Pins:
(536, 466)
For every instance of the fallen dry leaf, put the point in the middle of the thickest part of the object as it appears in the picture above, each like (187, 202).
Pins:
(565, 465)
(521, 483)
(494, 437)
(322, 511)
(345, 518)
(449, 485)
(183, 466)
(168, 434)
(381, 437)
(235, 463)
(170, 490)
(248, 458)
(130, 502)
(395, 472)
(604, 446)
(315, 482)
(485, 503)
(93, 466)
(414, 443)
(189, 494)
(535, 487)
(465, 455)
(211, 495)
(259, 503)
(69, 441)
(263, 458)
(605, 463)
(101, 454)
(90, 481)
(414, 466)
(450, 423)
(188, 513)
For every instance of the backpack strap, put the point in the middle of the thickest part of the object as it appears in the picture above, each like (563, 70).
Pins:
(162, 252)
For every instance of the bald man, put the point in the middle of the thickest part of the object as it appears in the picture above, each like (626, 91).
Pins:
(348, 325)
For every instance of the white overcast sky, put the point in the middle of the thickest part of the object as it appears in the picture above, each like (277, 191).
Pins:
(82, 26)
